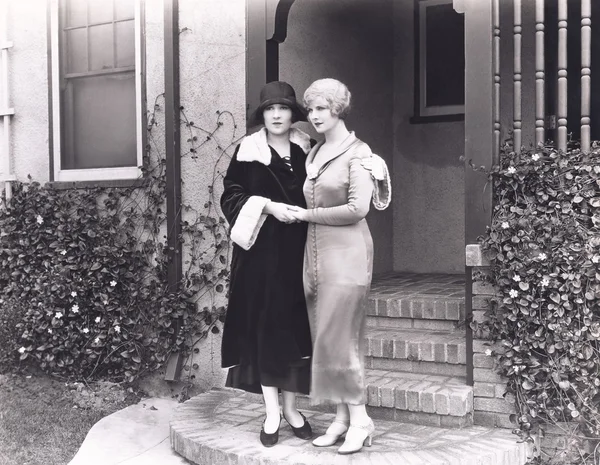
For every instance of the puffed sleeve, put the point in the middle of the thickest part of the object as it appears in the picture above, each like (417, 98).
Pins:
(382, 193)
(243, 211)
(360, 191)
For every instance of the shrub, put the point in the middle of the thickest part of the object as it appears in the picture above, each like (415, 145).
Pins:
(90, 295)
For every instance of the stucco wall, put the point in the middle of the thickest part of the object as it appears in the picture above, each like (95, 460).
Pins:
(28, 87)
(213, 79)
(350, 40)
(428, 176)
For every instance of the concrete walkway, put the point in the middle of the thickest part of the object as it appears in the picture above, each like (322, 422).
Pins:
(136, 435)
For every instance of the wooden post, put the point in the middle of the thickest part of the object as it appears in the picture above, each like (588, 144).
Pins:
(479, 124)
(586, 72)
(479, 137)
(517, 75)
(540, 67)
(562, 75)
(496, 103)
(173, 165)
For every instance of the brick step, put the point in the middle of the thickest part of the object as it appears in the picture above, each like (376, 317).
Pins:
(413, 398)
(416, 345)
(418, 310)
(222, 426)
(411, 323)
(409, 366)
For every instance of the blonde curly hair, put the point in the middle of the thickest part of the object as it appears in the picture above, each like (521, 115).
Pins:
(336, 94)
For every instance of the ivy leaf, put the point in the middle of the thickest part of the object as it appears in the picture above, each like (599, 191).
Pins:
(528, 385)
(524, 286)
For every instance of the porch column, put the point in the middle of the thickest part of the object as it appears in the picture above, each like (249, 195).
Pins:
(266, 28)
(479, 140)
(479, 124)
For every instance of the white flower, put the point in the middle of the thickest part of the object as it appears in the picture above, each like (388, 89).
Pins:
(58, 315)
(542, 256)
(513, 293)
(488, 352)
(73, 294)
(545, 281)
(596, 259)
(97, 319)
(22, 350)
(85, 330)
(50, 330)
(105, 302)
(97, 340)
(118, 329)
(75, 308)
(39, 219)
(511, 170)
(312, 171)
(535, 157)
(505, 225)
(64, 252)
(516, 278)
(113, 283)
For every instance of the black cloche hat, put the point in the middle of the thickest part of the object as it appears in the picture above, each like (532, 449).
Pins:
(277, 92)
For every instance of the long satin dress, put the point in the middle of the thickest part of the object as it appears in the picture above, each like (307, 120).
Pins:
(338, 264)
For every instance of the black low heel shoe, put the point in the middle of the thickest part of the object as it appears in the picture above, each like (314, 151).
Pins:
(269, 440)
(304, 431)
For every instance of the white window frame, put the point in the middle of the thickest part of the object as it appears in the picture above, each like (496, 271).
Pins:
(95, 174)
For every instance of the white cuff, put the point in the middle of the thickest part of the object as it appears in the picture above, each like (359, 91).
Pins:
(249, 221)
(382, 194)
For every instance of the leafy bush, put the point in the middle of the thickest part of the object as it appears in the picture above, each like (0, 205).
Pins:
(92, 302)
(544, 246)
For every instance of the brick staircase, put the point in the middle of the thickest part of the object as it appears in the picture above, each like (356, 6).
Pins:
(416, 391)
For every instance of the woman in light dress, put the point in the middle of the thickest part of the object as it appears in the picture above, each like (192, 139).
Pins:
(338, 262)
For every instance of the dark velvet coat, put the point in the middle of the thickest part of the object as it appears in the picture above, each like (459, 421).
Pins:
(266, 323)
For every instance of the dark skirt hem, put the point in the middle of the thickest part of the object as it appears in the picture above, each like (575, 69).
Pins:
(249, 378)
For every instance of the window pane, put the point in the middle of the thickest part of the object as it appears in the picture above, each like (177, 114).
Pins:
(77, 61)
(445, 29)
(101, 47)
(124, 9)
(76, 13)
(101, 11)
(125, 43)
(100, 122)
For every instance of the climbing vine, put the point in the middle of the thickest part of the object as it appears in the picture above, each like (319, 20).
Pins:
(83, 281)
(544, 246)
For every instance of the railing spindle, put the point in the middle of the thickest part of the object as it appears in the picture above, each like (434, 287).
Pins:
(562, 75)
(517, 76)
(496, 90)
(540, 70)
(586, 72)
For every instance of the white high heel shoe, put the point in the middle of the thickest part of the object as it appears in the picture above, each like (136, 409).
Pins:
(335, 431)
(357, 437)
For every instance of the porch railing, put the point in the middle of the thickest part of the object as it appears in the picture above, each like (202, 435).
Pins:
(562, 111)
(500, 31)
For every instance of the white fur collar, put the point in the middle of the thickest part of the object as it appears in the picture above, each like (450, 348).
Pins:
(255, 147)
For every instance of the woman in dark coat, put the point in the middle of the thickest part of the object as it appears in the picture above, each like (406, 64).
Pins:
(266, 336)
